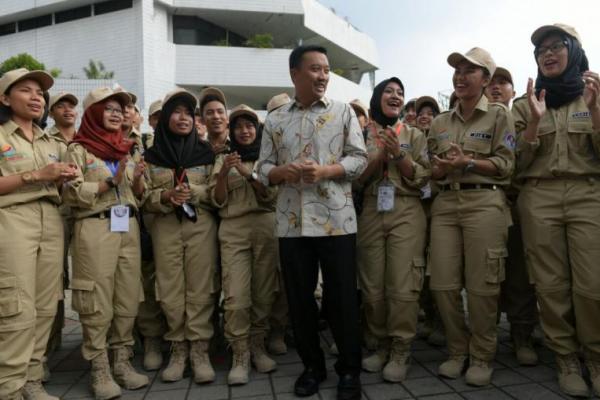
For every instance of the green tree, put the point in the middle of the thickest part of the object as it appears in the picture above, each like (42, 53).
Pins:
(261, 41)
(96, 70)
(22, 60)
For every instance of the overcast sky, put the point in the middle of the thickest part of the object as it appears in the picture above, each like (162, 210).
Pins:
(414, 38)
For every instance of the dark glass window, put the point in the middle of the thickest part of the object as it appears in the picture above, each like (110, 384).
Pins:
(34, 23)
(7, 29)
(73, 14)
(111, 6)
(194, 30)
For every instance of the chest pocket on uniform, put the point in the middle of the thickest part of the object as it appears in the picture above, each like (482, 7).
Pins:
(234, 182)
(197, 175)
(161, 177)
(12, 163)
(546, 136)
(95, 172)
(580, 136)
(478, 142)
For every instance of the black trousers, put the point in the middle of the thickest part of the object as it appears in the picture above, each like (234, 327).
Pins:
(300, 261)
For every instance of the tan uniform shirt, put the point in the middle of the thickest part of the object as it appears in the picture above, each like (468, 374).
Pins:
(488, 135)
(414, 143)
(241, 197)
(82, 193)
(64, 209)
(161, 179)
(566, 145)
(18, 155)
(327, 132)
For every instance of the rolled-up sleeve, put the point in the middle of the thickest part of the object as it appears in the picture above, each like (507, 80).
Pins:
(525, 151)
(503, 156)
(354, 155)
(267, 159)
(421, 164)
(78, 193)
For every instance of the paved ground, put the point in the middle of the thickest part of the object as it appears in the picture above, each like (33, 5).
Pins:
(70, 377)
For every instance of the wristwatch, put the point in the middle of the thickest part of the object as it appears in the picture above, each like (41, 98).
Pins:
(400, 156)
(28, 177)
(470, 165)
(253, 176)
(110, 182)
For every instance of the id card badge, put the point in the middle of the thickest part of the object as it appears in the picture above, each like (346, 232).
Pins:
(385, 197)
(119, 219)
(426, 192)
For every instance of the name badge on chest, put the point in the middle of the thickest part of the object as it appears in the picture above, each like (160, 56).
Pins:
(385, 196)
(119, 219)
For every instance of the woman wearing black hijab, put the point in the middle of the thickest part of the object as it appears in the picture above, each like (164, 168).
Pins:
(558, 125)
(391, 231)
(184, 235)
(248, 246)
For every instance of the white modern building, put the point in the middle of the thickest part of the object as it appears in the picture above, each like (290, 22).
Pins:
(154, 45)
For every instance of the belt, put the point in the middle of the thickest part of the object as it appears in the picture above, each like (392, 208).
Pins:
(106, 213)
(468, 186)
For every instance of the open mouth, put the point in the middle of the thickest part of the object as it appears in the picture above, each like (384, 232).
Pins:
(550, 63)
(35, 108)
(320, 87)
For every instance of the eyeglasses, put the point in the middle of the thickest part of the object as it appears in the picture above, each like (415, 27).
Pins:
(554, 48)
(115, 111)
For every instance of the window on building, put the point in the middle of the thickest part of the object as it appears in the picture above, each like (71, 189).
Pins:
(193, 30)
(7, 29)
(34, 23)
(111, 6)
(72, 14)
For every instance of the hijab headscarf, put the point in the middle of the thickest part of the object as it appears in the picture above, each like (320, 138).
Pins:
(104, 144)
(251, 151)
(569, 85)
(375, 103)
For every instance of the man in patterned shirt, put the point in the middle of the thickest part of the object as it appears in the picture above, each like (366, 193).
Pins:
(312, 148)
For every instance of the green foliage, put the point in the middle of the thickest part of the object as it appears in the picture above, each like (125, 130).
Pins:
(22, 60)
(260, 40)
(96, 70)
(339, 71)
(221, 43)
(55, 72)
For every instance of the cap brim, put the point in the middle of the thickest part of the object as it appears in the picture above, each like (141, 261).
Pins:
(541, 32)
(456, 58)
(239, 113)
(183, 95)
(213, 92)
(122, 97)
(66, 96)
(45, 80)
(426, 100)
(503, 73)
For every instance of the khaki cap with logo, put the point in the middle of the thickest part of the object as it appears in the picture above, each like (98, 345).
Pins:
(11, 77)
(62, 96)
(243, 109)
(212, 91)
(155, 107)
(278, 101)
(104, 93)
(180, 93)
(476, 56)
(359, 106)
(542, 31)
(122, 89)
(503, 72)
(427, 101)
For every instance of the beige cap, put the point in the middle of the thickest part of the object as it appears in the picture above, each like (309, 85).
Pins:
(242, 109)
(427, 101)
(104, 93)
(359, 106)
(180, 93)
(278, 101)
(503, 72)
(122, 89)
(155, 107)
(212, 91)
(60, 96)
(542, 31)
(476, 56)
(11, 77)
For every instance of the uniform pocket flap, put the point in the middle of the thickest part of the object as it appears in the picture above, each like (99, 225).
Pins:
(82, 284)
(419, 262)
(8, 282)
(497, 253)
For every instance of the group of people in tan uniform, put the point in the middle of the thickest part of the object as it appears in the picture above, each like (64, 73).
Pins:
(417, 208)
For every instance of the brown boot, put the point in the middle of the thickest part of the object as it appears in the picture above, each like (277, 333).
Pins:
(523, 345)
(376, 361)
(103, 384)
(123, 371)
(261, 360)
(277, 344)
(34, 390)
(593, 365)
(200, 361)
(452, 367)
(240, 366)
(397, 367)
(569, 375)
(153, 358)
(177, 361)
(479, 372)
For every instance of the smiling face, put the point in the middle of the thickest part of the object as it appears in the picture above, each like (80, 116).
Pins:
(181, 121)
(214, 117)
(311, 77)
(469, 80)
(26, 99)
(425, 117)
(392, 100)
(244, 131)
(500, 90)
(552, 56)
(113, 115)
(64, 113)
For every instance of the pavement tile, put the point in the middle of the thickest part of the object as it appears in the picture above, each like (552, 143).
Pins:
(506, 377)
(385, 391)
(487, 394)
(539, 373)
(448, 396)
(179, 394)
(158, 385)
(425, 386)
(209, 391)
(531, 391)
(331, 394)
(252, 388)
(294, 369)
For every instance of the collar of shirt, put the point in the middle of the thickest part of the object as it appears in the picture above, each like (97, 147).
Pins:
(481, 105)
(11, 127)
(134, 133)
(324, 101)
